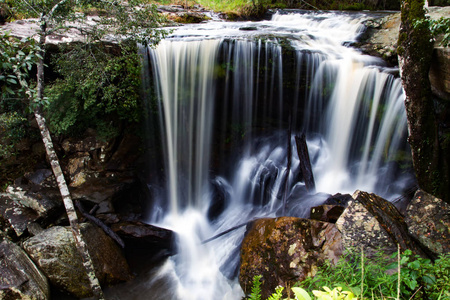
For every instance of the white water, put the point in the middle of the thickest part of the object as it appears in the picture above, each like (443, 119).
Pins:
(352, 115)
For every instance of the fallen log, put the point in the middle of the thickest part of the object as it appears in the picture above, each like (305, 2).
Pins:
(305, 163)
(99, 223)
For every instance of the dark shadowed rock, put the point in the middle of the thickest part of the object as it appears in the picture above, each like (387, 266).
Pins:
(140, 235)
(55, 253)
(326, 213)
(286, 250)
(19, 277)
(428, 220)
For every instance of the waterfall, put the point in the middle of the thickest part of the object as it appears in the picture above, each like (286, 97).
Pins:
(225, 98)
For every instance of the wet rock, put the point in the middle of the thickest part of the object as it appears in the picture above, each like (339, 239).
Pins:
(19, 277)
(248, 28)
(440, 72)
(326, 213)
(286, 250)
(189, 17)
(98, 190)
(55, 253)
(428, 220)
(373, 223)
(145, 236)
(338, 199)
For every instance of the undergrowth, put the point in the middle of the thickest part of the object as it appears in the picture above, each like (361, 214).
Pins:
(356, 277)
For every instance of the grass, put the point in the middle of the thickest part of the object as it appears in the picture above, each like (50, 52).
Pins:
(404, 276)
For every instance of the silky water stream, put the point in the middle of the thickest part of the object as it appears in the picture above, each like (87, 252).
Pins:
(225, 98)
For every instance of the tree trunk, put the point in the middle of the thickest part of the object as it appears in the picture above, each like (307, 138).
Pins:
(305, 163)
(57, 171)
(415, 48)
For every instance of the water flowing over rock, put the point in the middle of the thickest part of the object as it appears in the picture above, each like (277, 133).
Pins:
(428, 220)
(19, 277)
(55, 253)
(286, 250)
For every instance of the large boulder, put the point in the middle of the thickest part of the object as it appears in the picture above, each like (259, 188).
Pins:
(440, 72)
(286, 250)
(55, 252)
(23, 205)
(20, 278)
(373, 224)
(145, 236)
(428, 220)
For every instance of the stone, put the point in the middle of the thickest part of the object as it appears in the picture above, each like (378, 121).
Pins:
(360, 229)
(326, 213)
(22, 205)
(20, 278)
(15, 215)
(440, 72)
(286, 250)
(374, 224)
(55, 253)
(428, 220)
(140, 235)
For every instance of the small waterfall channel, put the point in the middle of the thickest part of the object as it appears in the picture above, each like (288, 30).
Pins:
(225, 100)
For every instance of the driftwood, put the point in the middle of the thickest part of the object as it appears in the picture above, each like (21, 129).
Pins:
(305, 163)
(99, 223)
(227, 231)
(288, 167)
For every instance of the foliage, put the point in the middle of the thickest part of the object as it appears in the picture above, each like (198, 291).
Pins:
(12, 130)
(17, 57)
(334, 294)
(256, 288)
(99, 82)
(437, 28)
(300, 293)
(419, 277)
(416, 272)
(98, 86)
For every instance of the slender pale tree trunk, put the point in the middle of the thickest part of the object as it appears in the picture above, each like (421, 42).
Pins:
(57, 171)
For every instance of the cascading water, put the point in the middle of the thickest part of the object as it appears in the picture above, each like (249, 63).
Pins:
(226, 95)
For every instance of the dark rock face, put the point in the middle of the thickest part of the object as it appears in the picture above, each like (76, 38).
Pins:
(55, 253)
(286, 250)
(428, 220)
(20, 279)
(153, 238)
(326, 213)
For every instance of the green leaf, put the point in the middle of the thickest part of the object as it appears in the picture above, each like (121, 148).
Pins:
(300, 293)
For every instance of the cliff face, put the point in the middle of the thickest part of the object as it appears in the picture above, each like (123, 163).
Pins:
(381, 40)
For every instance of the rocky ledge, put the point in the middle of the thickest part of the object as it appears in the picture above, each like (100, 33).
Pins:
(381, 37)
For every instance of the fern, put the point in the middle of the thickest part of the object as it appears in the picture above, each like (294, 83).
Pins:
(278, 293)
(256, 288)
